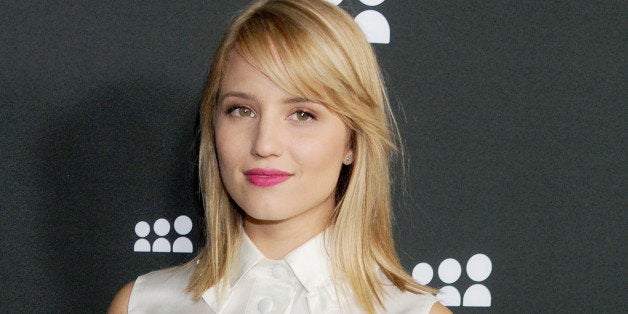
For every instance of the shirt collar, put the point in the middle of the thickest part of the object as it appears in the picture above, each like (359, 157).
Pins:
(249, 256)
(309, 262)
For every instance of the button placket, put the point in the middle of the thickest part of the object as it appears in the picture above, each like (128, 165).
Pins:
(279, 272)
(265, 305)
(272, 291)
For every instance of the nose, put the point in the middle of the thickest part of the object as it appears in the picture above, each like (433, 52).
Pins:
(267, 139)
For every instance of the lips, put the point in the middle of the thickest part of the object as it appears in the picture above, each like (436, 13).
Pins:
(266, 177)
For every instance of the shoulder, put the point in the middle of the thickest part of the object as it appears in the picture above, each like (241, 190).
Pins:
(438, 308)
(120, 303)
(155, 290)
(398, 301)
(170, 281)
(174, 278)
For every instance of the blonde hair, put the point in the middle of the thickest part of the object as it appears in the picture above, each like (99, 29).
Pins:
(315, 50)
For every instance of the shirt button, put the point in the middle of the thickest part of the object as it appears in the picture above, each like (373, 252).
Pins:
(278, 272)
(265, 305)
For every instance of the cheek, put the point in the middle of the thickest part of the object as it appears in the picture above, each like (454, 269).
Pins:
(231, 138)
(220, 145)
(225, 147)
(227, 160)
(324, 153)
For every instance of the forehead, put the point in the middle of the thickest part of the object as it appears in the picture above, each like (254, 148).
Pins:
(236, 69)
(240, 75)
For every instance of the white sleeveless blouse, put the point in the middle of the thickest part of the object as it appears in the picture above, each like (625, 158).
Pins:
(299, 283)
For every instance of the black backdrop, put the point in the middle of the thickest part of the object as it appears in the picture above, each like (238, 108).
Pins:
(512, 112)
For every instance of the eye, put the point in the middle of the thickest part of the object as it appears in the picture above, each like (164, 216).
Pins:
(301, 116)
(241, 111)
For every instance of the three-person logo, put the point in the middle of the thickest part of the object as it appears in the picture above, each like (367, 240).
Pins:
(478, 268)
(161, 228)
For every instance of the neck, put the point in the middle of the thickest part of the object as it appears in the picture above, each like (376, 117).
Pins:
(276, 239)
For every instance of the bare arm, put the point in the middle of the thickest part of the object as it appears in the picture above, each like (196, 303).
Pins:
(120, 303)
(438, 308)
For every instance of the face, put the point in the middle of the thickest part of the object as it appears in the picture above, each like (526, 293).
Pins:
(280, 155)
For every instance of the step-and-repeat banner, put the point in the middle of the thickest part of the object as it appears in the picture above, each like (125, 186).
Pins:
(511, 196)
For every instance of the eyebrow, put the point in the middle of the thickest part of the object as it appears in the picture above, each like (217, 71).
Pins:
(297, 100)
(235, 94)
(290, 100)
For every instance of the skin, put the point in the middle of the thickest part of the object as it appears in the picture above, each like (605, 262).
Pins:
(438, 308)
(258, 125)
(120, 303)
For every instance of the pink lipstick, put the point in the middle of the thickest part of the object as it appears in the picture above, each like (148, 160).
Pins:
(266, 177)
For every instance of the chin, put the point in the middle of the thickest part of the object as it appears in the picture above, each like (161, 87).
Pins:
(266, 211)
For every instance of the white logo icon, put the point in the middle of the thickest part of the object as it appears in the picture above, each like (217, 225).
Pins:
(373, 24)
(372, 2)
(478, 269)
(161, 227)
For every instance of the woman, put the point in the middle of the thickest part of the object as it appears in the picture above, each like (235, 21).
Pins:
(294, 154)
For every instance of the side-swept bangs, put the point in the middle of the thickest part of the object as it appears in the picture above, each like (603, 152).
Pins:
(299, 51)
